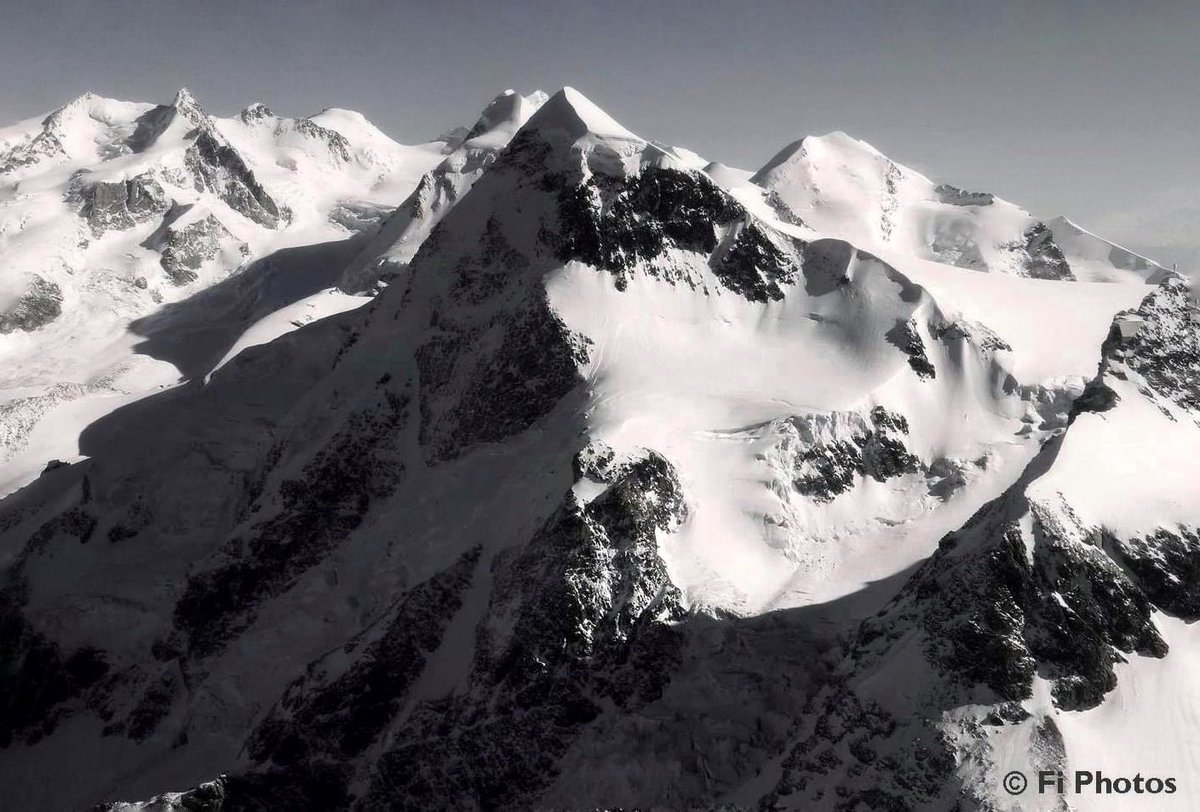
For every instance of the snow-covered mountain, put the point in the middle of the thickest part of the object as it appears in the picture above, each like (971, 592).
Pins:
(113, 213)
(640, 481)
(841, 186)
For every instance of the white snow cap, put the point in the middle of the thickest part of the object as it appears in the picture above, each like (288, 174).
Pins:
(503, 116)
(836, 142)
(570, 111)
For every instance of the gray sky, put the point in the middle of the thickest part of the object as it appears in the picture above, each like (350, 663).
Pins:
(1090, 109)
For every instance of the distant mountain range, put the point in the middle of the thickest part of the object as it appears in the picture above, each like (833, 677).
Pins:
(542, 466)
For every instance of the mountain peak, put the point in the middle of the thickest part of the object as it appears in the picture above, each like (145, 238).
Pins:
(185, 104)
(256, 112)
(836, 141)
(85, 104)
(506, 113)
(573, 113)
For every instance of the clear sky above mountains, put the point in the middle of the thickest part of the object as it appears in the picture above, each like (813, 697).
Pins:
(1089, 109)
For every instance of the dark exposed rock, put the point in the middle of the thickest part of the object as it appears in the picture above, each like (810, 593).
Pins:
(317, 511)
(589, 604)
(753, 265)
(616, 224)
(472, 397)
(1088, 610)
(1165, 350)
(75, 522)
(37, 307)
(45, 143)
(832, 456)
(905, 337)
(324, 721)
(37, 678)
(123, 204)
(337, 144)
(980, 335)
(1166, 565)
(828, 469)
(255, 112)
(218, 168)
(1043, 258)
(993, 617)
(960, 197)
(597, 462)
(210, 796)
(185, 248)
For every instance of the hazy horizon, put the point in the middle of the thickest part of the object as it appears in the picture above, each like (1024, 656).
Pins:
(1083, 109)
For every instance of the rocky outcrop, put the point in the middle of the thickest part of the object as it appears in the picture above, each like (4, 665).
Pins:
(579, 620)
(316, 511)
(218, 168)
(960, 197)
(308, 745)
(122, 204)
(1026, 589)
(621, 223)
(1042, 258)
(255, 113)
(756, 263)
(42, 145)
(1163, 354)
(46, 143)
(335, 142)
(828, 454)
(207, 797)
(615, 223)
(904, 336)
(37, 307)
(184, 248)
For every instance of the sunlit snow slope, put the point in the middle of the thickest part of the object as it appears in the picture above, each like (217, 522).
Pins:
(112, 211)
(634, 482)
(844, 187)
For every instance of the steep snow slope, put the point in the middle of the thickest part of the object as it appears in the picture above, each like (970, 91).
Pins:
(844, 187)
(1010, 640)
(389, 253)
(112, 211)
(565, 516)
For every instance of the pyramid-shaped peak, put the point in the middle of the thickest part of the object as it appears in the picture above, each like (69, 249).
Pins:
(571, 112)
(819, 148)
(183, 98)
(185, 103)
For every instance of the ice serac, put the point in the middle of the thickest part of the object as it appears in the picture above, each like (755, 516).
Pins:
(844, 187)
(1017, 630)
